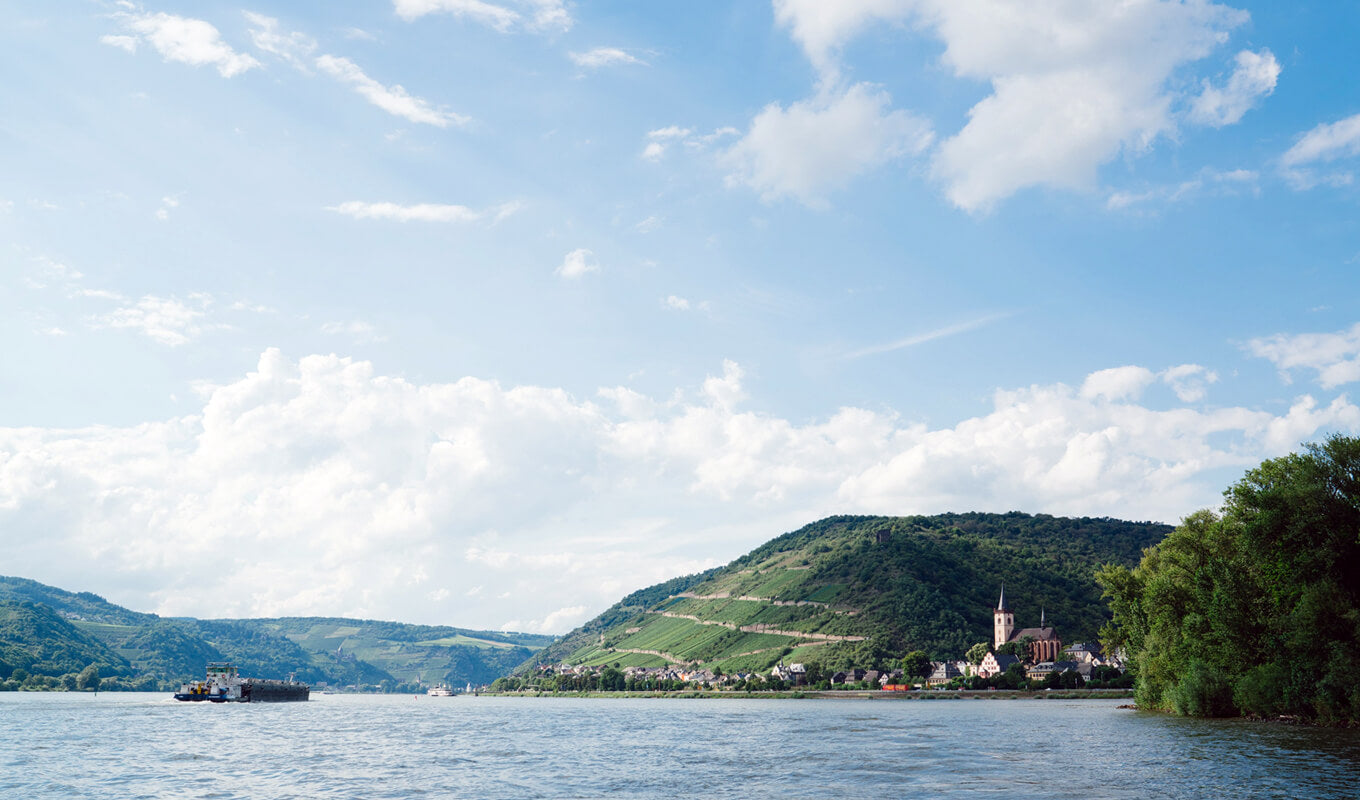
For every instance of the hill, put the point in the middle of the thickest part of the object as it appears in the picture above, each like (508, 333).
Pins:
(862, 591)
(50, 632)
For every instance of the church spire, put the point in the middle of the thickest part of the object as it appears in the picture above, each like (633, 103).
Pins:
(1001, 604)
(1042, 623)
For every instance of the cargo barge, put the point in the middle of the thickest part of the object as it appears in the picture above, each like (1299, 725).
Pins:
(224, 684)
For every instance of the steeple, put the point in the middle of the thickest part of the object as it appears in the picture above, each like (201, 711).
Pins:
(1042, 624)
(1003, 621)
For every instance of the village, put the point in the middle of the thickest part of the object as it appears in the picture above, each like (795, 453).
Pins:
(1016, 658)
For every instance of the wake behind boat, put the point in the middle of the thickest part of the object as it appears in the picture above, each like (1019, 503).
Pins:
(224, 684)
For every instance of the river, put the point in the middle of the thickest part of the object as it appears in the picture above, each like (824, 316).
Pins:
(353, 746)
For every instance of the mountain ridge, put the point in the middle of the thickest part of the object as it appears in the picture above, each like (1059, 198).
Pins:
(138, 650)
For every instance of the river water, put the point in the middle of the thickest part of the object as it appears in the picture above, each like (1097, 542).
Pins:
(347, 746)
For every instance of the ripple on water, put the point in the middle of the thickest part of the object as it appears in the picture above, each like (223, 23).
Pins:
(394, 747)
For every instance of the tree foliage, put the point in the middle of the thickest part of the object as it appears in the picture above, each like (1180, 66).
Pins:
(1256, 611)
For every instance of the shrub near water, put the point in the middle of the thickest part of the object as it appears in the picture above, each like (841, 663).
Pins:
(1255, 612)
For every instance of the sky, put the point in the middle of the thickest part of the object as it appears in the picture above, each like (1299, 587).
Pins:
(487, 312)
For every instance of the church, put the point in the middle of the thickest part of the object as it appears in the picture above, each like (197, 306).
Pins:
(1044, 644)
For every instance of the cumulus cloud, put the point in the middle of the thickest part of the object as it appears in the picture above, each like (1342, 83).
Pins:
(393, 99)
(818, 145)
(1253, 79)
(1189, 382)
(604, 57)
(534, 15)
(319, 486)
(182, 39)
(1335, 357)
(577, 264)
(1073, 84)
(1323, 144)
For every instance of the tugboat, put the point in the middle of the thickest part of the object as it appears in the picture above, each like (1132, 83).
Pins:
(224, 684)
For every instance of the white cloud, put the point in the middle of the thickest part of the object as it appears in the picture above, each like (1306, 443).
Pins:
(1190, 382)
(358, 330)
(167, 203)
(1207, 182)
(578, 263)
(420, 212)
(392, 99)
(535, 15)
(677, 303)
(928, 336)
(604, 57)
(1073, 83)
(1335, 357)
(822, 28)
(648, 225)
(818, 145)
(182, 39)
(167, 320)
(293, 47)
(319, 486)
(128, 43)
(1117, 383)
(1253, 79)
(660, 140)
(1322, 145)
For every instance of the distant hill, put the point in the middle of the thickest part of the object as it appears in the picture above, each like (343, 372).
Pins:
(47, 631)
(862, 591)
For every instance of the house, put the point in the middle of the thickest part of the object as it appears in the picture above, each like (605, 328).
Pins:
(943, 673)
(993, 664)
(1084, 652)
(1044, 669)
(1044, 644)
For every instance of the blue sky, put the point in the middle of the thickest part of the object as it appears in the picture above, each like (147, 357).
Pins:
(486, 312)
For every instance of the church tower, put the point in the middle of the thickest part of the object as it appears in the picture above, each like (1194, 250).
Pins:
(1003, 621)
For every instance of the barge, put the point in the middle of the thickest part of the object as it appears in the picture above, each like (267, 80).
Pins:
(224, 684)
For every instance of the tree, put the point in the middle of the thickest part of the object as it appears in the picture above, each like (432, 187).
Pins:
(977, 652)
(1257, 611)
(88, 679)
(916, 664)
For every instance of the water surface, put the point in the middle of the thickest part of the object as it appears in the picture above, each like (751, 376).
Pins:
(349, 746)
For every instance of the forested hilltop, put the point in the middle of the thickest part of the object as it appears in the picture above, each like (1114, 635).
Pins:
(863, 591)
(1257, 611)
(50, 638)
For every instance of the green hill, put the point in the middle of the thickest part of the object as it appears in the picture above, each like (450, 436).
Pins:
(36, 639)
(862, 591)
(50, 632)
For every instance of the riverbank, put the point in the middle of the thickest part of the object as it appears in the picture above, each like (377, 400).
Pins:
(852, 694)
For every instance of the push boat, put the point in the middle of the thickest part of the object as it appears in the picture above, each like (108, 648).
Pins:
(224, 684)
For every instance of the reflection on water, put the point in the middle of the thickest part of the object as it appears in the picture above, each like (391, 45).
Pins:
(338, 746)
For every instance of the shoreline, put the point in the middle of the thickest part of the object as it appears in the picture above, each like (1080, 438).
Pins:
(839, 694)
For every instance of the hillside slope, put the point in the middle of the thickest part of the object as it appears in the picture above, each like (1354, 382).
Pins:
(49, 631)
(861, 591)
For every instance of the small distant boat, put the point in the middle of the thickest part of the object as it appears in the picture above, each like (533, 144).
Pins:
(439, 691)
(224, 684)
